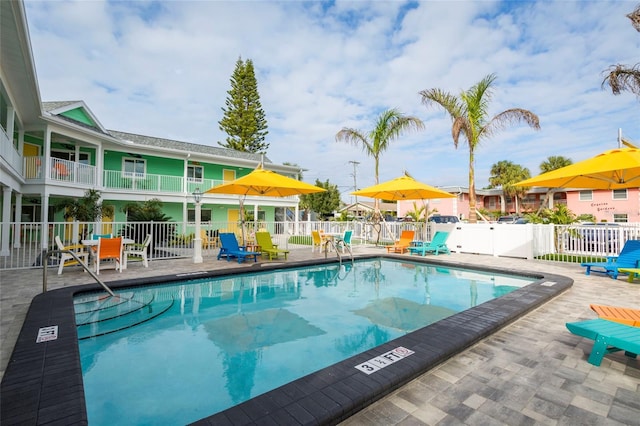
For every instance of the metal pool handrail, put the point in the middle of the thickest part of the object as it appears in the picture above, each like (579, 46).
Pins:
(45, 262)
(335, 248)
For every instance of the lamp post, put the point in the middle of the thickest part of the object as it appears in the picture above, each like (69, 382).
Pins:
(197, 241)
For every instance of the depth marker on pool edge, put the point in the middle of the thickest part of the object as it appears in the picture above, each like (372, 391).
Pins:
(381, 361)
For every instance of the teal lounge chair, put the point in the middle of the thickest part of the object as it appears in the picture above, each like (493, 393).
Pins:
(437, 245)
(608, 336)
(229, 248)
(628, 258)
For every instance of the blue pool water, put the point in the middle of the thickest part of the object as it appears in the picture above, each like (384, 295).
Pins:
(189, 349)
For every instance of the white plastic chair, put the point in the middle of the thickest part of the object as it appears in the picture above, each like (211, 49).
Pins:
(66, 259)
(138, 251)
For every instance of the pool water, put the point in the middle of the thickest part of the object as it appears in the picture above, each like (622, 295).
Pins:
(176, 353)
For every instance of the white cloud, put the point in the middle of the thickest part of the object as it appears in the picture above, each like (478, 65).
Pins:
(163, 69)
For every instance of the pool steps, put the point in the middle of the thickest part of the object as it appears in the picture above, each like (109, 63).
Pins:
(101, 314)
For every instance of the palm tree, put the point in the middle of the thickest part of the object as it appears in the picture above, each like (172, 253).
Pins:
(553, 162)
(470, 116)
(620, 77)
(506, 174)
(390, 125)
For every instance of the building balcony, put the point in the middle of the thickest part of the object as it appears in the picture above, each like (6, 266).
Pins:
(69, 172)
(63, 171)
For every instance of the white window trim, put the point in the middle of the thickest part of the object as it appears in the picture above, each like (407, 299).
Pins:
(626, 217)
(613, 194)
(133, 175)
(586, 191)
(195, 179)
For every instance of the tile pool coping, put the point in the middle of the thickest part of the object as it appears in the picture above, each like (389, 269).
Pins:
(43, 381)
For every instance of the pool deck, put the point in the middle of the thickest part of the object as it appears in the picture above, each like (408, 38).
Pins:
(533, 371)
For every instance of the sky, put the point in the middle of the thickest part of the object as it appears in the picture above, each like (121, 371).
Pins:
(163, 69)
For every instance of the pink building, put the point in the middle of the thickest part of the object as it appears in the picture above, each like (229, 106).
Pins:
(620, 205)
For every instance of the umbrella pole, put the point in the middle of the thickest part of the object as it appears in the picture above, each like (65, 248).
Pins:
(244, 241)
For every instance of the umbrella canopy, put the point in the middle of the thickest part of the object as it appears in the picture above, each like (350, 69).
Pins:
(265, 183)
(613, 169)
(403, 314)
(403, 188)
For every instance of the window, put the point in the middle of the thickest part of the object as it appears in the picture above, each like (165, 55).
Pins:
(586, 195)
(620, 218)
(133, 167)
(619, 194)
(261, 215)
(71, 156)
(194, 173)
(205, 215)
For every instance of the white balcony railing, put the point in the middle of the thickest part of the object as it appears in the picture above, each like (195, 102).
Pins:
(59, 170)
(9, 152)
(71, 172)
(116, 179)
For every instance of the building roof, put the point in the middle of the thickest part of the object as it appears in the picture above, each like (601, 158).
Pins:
(58, 108)
(187, 146)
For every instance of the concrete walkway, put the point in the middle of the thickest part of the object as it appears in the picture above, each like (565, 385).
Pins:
(531, 372)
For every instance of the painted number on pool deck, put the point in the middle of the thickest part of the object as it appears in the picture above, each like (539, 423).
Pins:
(46, 334)
(375, 364)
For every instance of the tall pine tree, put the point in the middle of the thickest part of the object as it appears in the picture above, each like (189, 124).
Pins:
(244, 120)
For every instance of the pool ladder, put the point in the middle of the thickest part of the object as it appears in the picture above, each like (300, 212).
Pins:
(335, 248)
(45, 263)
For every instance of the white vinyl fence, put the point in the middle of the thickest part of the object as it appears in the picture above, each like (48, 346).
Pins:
(28, 241)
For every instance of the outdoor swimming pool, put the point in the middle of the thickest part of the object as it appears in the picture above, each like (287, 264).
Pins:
(178, 352)
(43, 381)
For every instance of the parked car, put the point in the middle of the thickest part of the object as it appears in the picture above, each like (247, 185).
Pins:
(601, 237)
(444, 219)
(510, 219)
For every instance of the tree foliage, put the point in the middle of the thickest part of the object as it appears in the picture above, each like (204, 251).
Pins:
(506, 174)
(147, 211)
(86, 209)
(389, 126)
(621, 77)
(244, 119)
(554, 162)
(146, 218)
(470, 116)
(323, 203)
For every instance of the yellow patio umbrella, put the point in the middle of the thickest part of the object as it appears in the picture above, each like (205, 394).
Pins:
(403, 188)
(613, 169)
(265, 183)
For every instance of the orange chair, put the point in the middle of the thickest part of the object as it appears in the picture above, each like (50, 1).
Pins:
(60, 170)
(402, 245)
(109, 249)
(626, 316)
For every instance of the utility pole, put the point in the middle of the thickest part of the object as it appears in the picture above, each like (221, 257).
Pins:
(355, 185)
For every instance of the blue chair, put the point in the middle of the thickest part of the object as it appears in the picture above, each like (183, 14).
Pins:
(229, 248)
(437, 245)
(628, 258)
(98, 236)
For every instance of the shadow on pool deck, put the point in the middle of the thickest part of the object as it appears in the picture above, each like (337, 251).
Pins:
(532, 370)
